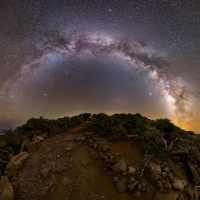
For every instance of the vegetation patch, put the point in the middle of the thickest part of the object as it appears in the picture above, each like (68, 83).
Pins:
(155, 137)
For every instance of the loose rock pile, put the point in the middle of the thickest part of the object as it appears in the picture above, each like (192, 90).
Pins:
(125, 177)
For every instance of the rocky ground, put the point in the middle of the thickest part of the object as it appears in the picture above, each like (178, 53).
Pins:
(79, 165)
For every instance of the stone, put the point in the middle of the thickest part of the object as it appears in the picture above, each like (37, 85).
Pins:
(137, 194)
(131, 170)
(44, 135)
(132, 185)
(67, 181)
(14, 185)
(93, 153)
(14, 178)
(115, 179)
(121, 187)
(124, 173)
(104, 147)
(144, 188)
(95, 145)
(48, 186)
(131, 180)
(52, 190)
(16, 163)
(162, 165)
(179, 184)
(32, 147)
(22, 148)
(139, 186)
(35, 139)
(171, 176)
(153, 172)
(85, 163)
(41, 139)
(90, 142)
(80, 138)
(164, 174)
(176, 158)
(192, 193)
(117, 153)
(109, 154)
(160, 185)
(112, 157)
(79, 143)
(69, 148)
(167, 186)
(120, 166)
(166, 169)
(6, 190)
(45, 172)
(182, 196)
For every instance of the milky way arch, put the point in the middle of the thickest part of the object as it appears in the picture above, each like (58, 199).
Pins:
(97, 45)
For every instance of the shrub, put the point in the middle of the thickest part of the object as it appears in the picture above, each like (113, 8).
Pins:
(164, 125)
(149, 139)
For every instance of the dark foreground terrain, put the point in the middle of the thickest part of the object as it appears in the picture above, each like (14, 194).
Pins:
(100, 158)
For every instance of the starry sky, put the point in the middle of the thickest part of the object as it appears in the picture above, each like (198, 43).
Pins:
(62, 58)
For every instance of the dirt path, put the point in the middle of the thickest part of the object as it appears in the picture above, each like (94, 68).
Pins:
(66, 168)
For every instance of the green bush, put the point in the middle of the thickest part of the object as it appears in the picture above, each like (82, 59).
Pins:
(150, 141)
(164, 125)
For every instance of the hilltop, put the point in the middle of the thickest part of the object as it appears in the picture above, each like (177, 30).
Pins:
(123, 156)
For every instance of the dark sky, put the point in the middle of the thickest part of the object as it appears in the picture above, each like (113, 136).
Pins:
(62, 58)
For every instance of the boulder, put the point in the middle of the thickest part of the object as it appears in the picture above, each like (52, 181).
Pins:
(6, 190)
(120, 166)
(16, 163)
(121, 186)
(153, 172)
(179, 184)
(131, 170)
(132, 185)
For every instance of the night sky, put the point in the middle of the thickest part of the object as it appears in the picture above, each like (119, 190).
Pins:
(63, 58)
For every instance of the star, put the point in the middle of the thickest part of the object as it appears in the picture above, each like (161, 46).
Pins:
(109, 52)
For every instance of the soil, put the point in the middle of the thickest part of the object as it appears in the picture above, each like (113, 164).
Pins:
(74, 171)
